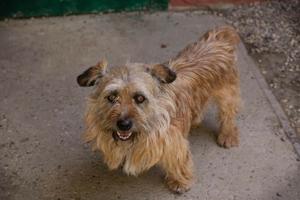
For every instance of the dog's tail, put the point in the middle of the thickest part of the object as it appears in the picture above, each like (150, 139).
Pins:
(225, 34)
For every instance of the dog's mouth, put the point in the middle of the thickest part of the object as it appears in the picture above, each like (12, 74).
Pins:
(122, 135)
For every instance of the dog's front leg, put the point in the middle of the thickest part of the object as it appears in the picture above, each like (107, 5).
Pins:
(178, 165)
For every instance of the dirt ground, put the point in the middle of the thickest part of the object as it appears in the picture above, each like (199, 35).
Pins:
(284, 84)
(271, 33)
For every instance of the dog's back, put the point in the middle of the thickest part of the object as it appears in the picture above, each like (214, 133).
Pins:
(210, 62)
(206, 68)
(212, 42)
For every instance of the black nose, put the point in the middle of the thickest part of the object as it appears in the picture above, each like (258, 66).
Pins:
(124, 125)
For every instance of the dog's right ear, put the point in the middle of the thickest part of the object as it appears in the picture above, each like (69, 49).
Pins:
(90, 76)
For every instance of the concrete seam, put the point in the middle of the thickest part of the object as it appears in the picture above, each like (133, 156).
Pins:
(289, 131)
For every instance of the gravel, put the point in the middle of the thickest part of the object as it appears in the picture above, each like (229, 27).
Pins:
(271, 32)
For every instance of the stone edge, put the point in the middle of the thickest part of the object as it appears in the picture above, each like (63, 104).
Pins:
(289, 131)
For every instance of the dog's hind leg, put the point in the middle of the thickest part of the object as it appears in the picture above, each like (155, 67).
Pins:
(227, 100)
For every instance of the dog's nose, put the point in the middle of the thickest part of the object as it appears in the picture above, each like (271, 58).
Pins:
(124, 125)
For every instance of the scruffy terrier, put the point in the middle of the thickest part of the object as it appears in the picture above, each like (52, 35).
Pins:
(139, 114)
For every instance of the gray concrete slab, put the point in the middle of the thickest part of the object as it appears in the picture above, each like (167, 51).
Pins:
(42, 155)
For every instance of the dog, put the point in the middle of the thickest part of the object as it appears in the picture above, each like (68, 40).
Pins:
(139, 115)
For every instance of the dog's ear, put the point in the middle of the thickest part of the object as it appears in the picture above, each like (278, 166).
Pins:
(90, 76)
(163, 73)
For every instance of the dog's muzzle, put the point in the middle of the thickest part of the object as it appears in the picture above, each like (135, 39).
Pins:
(124, 133)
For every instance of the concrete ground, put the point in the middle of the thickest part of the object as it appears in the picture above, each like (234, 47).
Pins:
(42, 154)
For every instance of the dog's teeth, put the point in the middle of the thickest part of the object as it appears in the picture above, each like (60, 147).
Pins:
(124, 137)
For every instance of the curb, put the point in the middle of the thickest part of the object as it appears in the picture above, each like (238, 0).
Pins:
(208, 4)
(289, 131)
(209, 7)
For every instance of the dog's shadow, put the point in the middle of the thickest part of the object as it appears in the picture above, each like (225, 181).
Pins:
(89, 178)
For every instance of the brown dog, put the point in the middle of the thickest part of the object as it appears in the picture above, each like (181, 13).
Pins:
(140, 114)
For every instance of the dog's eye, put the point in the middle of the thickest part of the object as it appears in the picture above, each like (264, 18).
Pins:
(112, 98)
(139, 99)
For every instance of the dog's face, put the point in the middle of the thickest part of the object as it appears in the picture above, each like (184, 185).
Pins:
(125, 102)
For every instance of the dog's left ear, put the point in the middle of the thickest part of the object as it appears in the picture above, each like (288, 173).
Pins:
(90, 76)
(163, 73)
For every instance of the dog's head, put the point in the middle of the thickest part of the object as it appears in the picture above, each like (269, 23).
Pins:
(126, 101)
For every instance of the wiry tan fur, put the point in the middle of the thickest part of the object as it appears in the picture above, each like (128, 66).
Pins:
(176, 96)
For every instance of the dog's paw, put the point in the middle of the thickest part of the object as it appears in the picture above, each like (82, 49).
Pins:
(227, 141)
(177, 187)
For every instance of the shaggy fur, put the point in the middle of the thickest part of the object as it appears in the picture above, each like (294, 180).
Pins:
(139, 115)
